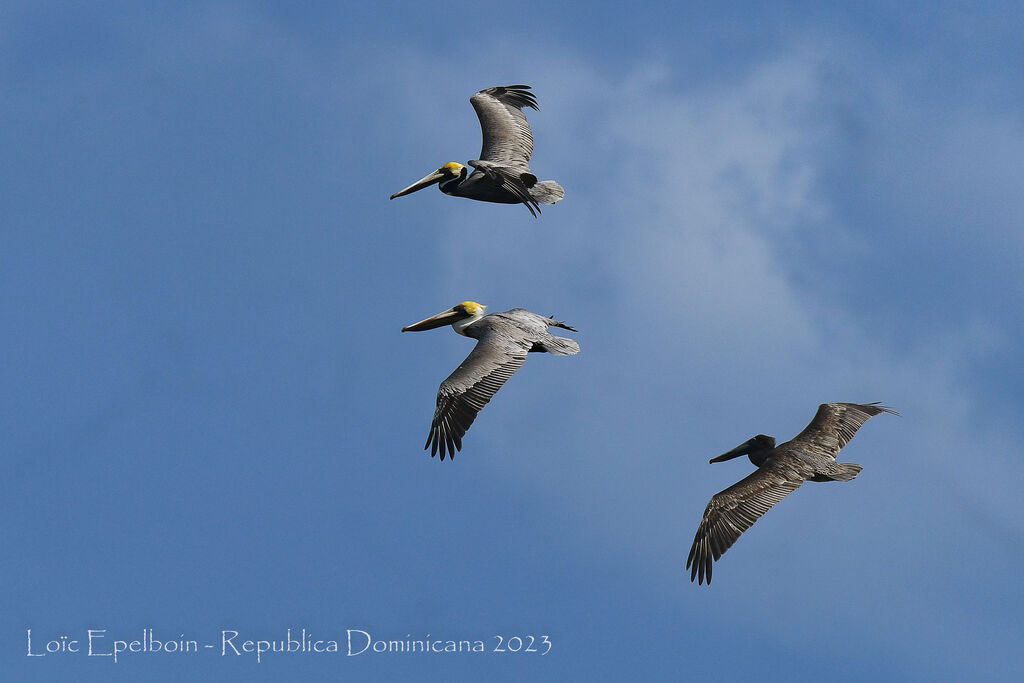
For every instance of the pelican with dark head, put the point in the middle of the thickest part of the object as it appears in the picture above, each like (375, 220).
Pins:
(502, 173)
(809, 456)
(503, 342)
(757, 449)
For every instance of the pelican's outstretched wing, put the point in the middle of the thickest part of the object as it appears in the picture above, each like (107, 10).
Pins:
(507, 137)
(835, 424)
(492, 361)
(732, 511)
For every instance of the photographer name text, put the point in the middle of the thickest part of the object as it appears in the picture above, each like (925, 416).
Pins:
(98, 642)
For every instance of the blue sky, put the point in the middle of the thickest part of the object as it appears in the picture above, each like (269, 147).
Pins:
(211, 421)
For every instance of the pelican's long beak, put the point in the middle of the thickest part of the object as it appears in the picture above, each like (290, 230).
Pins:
(743, 449)
(452, 315)
(435, 177)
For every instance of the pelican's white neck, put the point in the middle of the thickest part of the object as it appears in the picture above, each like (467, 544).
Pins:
(461, 325)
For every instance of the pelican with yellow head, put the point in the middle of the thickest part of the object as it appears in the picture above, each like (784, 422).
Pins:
(502, 173)
(503, 342)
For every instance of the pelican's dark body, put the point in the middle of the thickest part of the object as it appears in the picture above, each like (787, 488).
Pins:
(482, 187)
(810, 456)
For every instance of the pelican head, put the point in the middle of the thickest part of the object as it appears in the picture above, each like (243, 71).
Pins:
(448, 172)
(756, 449)
(459, 317)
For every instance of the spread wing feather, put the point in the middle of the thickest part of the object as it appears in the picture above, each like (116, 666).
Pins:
(835, 424)
(507, 137)
(467, 390)
(733, 511)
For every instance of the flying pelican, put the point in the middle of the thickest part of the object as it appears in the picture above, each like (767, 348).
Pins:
(810, 456)
(503, 340)
(502, 173)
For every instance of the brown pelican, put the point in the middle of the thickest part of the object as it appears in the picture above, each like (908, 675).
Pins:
(503, 340)
(502, 173)
(810, 456)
